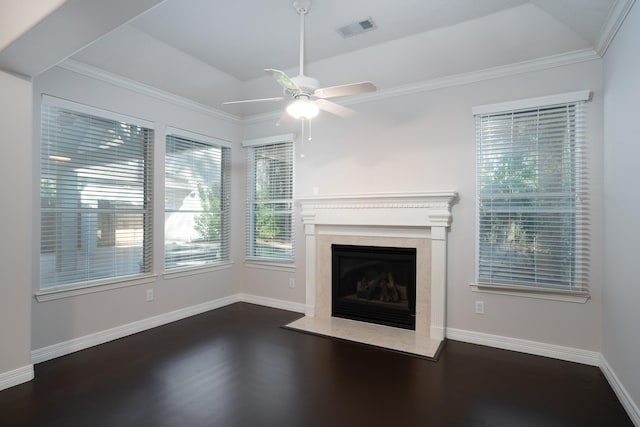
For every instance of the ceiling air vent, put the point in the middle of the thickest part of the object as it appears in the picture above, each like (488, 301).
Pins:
(357, 28)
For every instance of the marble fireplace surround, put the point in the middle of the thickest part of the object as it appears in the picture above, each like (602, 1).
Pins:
(417, 220)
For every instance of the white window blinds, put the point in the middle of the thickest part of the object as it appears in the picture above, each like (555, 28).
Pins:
(533, 218)
(96, 199)
(197, 187)
(270, 206)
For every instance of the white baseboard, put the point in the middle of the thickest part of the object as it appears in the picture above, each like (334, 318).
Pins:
(273, 303)
(525, 346)
(16, 376)
(624, 397)
(67, 347)
(557, 352)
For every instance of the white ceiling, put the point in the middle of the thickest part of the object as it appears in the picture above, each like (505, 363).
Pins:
(212, 51)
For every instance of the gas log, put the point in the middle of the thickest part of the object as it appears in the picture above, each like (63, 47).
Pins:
(380, 286)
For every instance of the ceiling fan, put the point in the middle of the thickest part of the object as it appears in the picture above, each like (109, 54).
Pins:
(306, 97)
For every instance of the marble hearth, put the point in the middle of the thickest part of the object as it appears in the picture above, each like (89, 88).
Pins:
(415, 220)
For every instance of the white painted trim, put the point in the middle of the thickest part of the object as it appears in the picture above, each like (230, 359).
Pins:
(616, 17)
(105, 76)
(540, 64)
(67, 347)
(81, 343)
(525, 293)
(433, 198)
(525, 104)
(170, 130)
(68, 291)
(193, 271)
(273, 303)
(372, 231)
(623, 395)
(54, 101)
(419, 209)
(409, 89)
(570, 354)
(266, 265)
(16, 377)
(489, 74)
(438, 284)
(268, 140)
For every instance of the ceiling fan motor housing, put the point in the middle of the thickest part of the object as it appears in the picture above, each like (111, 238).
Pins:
(307, 85)
(302, 6)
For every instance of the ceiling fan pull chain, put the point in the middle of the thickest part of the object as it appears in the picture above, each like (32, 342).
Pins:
(309, 126)
(302, 141)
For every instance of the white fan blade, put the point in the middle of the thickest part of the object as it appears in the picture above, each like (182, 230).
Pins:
(345, 90)
(279, 98)
(333, 108)
(283, 79)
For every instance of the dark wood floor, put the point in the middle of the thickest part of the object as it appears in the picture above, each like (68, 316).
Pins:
(236, 367)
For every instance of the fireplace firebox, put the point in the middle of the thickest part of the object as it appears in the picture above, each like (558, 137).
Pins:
(374, 284)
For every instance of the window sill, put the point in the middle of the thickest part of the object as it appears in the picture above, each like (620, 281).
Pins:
(192, 271)
(526, 293)
(60, 292)
(270, 265)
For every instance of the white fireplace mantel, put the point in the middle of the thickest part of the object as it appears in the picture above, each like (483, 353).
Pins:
(406, 215)
(407, 210)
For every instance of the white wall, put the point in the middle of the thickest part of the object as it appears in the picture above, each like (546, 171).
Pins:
(621, 316)
(71, 318)
(15, 224)
(426, 142)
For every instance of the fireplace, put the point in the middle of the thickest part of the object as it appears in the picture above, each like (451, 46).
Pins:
(374, 284)
(414, 220)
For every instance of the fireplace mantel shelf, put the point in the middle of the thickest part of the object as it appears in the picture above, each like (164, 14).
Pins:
(398, 209)
(440, 198)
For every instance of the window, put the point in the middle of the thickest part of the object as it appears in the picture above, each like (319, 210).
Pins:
(532, 194)
(270, 234)
(197, 186)
(95, 195)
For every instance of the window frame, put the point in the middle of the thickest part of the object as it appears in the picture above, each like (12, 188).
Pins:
(580, 294)
(269, 262)
(225, 197)
(81, 287)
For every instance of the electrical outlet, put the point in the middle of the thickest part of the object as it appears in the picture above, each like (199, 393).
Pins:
(292, 283)
(479, 307)
(149, 295)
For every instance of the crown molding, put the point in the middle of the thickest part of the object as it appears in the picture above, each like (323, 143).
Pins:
(616, 17)
(409, 89)
(123, 82)
(539, 64)
(486, 74)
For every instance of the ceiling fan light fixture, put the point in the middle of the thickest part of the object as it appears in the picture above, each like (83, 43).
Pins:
(307, 98)
(303, 108)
